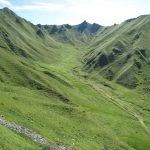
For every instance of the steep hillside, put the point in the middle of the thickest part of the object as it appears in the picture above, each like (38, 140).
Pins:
(121, 52)
(44, 88)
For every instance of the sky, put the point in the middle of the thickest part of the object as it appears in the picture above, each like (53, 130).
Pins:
(104, 12)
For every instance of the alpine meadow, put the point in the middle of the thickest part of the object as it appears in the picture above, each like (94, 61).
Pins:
(74, 87)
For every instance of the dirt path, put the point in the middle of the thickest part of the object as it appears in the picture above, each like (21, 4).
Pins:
(32, 135)
(120, 105)
(142, 123)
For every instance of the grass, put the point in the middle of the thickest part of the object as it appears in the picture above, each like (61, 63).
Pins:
(124, 47)
(21, 142)
(46, 90)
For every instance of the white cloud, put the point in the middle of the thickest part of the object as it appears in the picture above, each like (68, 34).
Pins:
(105, 12)
(5, 2)
(41, 6)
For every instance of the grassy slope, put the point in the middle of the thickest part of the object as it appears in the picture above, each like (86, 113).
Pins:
(125, 50)
(48, 93)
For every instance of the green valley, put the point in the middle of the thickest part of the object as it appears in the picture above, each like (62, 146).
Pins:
(85, 86)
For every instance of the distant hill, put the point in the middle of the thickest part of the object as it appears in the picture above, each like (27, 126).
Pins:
(77, 34)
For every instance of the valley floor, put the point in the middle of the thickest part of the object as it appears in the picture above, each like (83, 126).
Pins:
(88, 113)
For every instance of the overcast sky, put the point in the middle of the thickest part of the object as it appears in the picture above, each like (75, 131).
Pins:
(104, 12)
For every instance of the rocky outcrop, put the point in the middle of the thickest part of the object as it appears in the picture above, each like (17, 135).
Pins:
(31, 134)
(34, 136)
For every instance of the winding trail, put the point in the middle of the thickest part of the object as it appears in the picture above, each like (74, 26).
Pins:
(116, 102)
(29, 133)
(142, 123)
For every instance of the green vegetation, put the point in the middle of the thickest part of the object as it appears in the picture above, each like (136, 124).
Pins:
(121, 52)
(62, 82)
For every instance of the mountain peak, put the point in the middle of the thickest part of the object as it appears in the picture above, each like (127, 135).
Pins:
(92, 28)
(6, 8)
(83, 26)
(8, 11)
(84, 22)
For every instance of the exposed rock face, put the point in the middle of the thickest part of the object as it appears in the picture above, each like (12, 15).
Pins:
(92, 28)
(54, 29)
(82, 26)
(40, 33)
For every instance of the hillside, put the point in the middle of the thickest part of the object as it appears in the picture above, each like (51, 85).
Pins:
(62, 83)
(121, 53)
